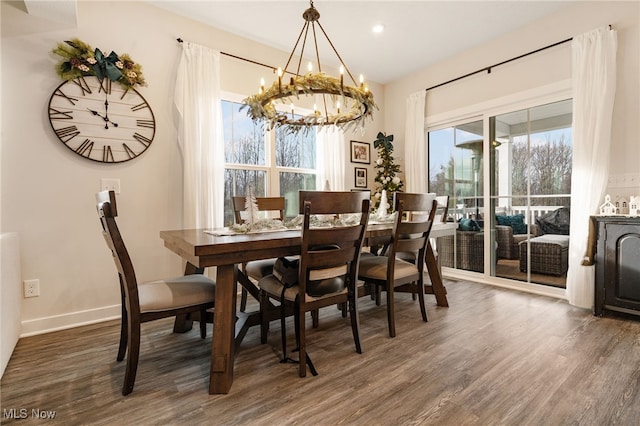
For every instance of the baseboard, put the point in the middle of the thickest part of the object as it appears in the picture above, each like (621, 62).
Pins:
(70, 320)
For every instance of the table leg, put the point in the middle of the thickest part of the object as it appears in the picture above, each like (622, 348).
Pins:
(222, 350)
(436, 279)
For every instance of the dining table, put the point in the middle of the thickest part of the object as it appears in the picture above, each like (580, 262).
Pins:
(202, 248)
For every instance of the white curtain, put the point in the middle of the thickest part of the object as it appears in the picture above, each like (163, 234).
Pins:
(331, 158)
(594, 86)
(198, 103)
(415, 147)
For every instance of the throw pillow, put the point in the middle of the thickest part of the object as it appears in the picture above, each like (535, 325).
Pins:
(516, 222)
(468, 225)
(555, 222)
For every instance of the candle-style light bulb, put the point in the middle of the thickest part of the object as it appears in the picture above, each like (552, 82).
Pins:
(315, 109)
(262, 85)
(361, 79)
(279, 79)
(341, 76)
(310, 67)
(338, 106)
(292, 111)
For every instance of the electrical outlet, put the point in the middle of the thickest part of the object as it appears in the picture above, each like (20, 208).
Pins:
(110, 184)
(31, 288)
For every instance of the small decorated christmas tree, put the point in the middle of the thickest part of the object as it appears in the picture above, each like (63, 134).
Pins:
(387, 171)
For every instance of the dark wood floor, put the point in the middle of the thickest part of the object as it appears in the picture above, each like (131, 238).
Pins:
(510, 268)
(494, 357)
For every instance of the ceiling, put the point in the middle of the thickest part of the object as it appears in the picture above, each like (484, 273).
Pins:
(417, 33)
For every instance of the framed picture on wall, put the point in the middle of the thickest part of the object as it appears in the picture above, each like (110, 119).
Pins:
(360, 177)
(360, 152)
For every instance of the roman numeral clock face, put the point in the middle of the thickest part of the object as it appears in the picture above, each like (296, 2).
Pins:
(101, 121)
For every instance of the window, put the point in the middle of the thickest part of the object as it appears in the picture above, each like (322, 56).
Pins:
(529, 174)
(272, 162)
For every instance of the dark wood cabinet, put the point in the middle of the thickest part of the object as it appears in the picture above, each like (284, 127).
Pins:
(617, 265)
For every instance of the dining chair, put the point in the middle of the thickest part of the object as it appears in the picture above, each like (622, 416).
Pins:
(257, 268)
(148, 301)
(441, 213)
(410, 235)
(327, 269)
(443, 207)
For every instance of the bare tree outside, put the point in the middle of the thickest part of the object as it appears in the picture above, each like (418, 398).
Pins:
(441, 179)
(295, 151)
(547, 167)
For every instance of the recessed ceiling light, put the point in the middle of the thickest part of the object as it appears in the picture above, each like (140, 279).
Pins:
(378, 28)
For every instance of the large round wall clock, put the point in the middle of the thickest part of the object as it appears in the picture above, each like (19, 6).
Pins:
(101, 121)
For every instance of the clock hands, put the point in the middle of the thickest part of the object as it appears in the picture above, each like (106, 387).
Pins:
(105, 117)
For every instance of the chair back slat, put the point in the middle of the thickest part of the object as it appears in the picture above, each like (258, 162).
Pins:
(333, 202)
(265, 204)
(324, 273)
(330, 257)
(410, 244)
(323, 236)
(414, 227)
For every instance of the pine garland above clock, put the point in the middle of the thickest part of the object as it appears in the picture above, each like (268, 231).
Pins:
(80, 59)
(98, 120)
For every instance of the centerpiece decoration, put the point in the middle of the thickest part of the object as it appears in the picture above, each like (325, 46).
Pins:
(253, 223)
(387, 179)
(343, 105)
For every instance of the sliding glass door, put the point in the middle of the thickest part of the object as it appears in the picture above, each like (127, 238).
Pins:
(456, 170)
(520, 169)
(531, 192)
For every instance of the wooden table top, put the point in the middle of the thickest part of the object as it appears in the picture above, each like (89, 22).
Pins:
(206, 249)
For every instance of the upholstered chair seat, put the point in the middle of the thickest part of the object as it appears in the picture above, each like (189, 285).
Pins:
(175, 293)
(259, 268)
(375, 267)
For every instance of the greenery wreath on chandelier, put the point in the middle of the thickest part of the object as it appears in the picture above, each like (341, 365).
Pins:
(80, 59)
(261, 108)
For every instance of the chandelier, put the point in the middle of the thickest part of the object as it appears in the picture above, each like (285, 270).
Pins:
(343, 105)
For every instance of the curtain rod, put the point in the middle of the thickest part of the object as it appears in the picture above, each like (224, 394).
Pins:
(488, 69)
(179, 40)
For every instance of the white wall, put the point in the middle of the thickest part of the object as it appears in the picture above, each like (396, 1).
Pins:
(48, 192)
(10, 296)
(544, 68)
